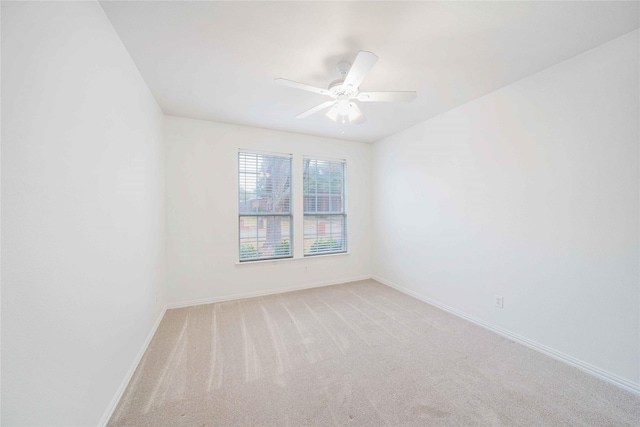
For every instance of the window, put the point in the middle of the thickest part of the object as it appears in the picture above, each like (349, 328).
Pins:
(264, 184)
(325, 220)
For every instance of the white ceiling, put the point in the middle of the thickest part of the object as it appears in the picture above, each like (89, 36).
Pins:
(217, 60)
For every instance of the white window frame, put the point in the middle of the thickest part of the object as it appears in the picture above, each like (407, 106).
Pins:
(289, 215)
(343, 213)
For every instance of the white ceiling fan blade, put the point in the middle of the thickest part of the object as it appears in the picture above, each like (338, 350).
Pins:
(315, 109)
(363, 63)
(302, 86)
(361, 117)
(387, 96)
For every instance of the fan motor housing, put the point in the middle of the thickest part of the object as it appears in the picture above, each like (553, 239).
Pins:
(338, 89)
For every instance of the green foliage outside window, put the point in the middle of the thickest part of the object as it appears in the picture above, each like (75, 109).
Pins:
(282, 248)
(248, 251)
(326, 246)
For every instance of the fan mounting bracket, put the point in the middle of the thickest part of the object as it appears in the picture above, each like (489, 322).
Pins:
(342, 68)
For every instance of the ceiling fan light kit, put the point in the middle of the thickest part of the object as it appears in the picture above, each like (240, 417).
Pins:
(345, 112)
(345, 91)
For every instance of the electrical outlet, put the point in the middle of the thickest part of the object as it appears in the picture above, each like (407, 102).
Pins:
(498, 300)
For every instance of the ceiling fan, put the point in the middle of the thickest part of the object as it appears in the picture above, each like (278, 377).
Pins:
(345, 91)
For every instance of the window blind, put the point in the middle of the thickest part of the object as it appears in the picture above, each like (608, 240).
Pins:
(325, 222)
(264, 196)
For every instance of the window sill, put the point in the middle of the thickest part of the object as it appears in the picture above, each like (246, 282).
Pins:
(280, 260)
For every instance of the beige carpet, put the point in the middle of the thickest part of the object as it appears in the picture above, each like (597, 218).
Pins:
(354, 354)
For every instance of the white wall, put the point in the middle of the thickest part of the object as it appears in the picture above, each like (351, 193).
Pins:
(530, 192)
(82, 213)
(202, 212)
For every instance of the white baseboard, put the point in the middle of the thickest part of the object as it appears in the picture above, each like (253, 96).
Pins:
(125, 382)
(584, 366)
(263, 293)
